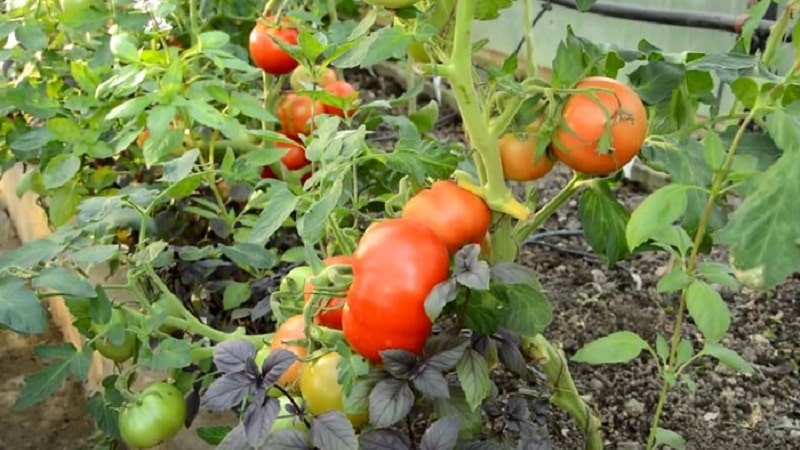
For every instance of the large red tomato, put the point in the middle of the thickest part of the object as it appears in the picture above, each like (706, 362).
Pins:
(457, 216)
(585, 121)
(332, 316)
(295, 157)
(395, 266)
(344, 90)
(295, 113)
(266, 54)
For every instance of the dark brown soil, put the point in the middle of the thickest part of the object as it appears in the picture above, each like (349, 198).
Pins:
(728, 411)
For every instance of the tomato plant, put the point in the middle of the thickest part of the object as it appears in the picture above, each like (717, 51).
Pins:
(520, 159)
(321, 389)
(153, 417)
(330, 314)
(295, 157)
(266, 54)
(345, 91)
(293, 329)
(118, 348)
(611, 106)
(303, 77)
(456, 216)
(295, 113)
(395, 266)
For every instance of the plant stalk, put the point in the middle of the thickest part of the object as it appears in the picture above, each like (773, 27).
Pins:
(523, 229)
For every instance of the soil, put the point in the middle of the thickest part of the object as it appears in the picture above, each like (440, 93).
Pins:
(757, 412)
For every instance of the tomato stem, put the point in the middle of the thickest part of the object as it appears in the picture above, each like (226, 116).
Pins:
(523, 229)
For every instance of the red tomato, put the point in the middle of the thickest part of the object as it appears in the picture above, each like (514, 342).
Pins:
(266, 54)
(331, 318)
(341, 89)
(295, 113)
(292, 329)
(519, 158)
(305, 177)
(457, 216)
(395, 266)
(266, 172)
(585, 121)
(302, 77)
(295, 157)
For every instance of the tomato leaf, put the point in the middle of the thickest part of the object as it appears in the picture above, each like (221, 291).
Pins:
(178, 168)
(441, 294)
(105, 415)
(63, 281)
(171, 353)
(469, 270)
(389, 402)
(227, 391)
(332, 430)
(279, 207)
(311, 225)
(232, 356)
(473, 373)
(399, 363)
(20, 309)
(619, 347)
(42, 384)
(375, 47)
(384, 439)
(709, 310)
(276, 364)
(604, 220)
(60, 169)
(728, 357)
(527, 310)
(441, 435)
(235, 294)
(213, 435)
(251, 256)
(670, 439)
(658, 211)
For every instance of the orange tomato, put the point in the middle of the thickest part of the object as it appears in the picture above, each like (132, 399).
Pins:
(518, 155)
(292, 329)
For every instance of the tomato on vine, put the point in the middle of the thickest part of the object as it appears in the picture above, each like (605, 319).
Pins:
(266, 54)
(117, 352)
(321, 389)
(331, 317)
(290, 330)
(295, 156)
(343, 90)
(396, 264)
(295, 114)
(154, 416)
(519, 158)
(303, 77)
(586, 119)
(267, 172)
(457, 216)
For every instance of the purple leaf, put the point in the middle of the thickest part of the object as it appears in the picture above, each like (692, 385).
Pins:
(235, 440)
(399, 363)
(232, 356)
(276, 364)
(441, 294)
(332, 431)
(227, 391)
(288, 440)
(192, 407)
(485, 445)
(385, 439)
(471, 271)
(510, 354)
(441, 435)
(258, 419)
(432, 383)
(448, 355)
(389, 402)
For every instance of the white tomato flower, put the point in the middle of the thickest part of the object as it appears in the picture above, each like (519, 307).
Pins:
(157, 24)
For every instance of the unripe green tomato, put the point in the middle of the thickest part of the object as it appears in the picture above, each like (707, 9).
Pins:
(392, 4)
(286, 420)
(416, 51)
(157, 414)
(116, 352)
(296, 279)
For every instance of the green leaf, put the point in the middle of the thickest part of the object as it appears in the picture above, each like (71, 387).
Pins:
(159, 119)
(251, 256)
(528, 312)
(387, 42)
(490, 9)
(64, 202)
(279, 207)
(673, 281)
(470, 420)
(584, 5)
(473, 374)
(310, 46)
(123, 47)
(31, 141)
(104, 414)
(42, 384)
(31, 36)
(568, 64)
(213, 39)
(425, 118)
(171, 353)
(762, 233)
(63, 281)
(64, 130)
(186, 187)
(129, 108)
(619, 347)
(658, 211)
(685, 352)
(670, 439)
(179, 168)
(311, 225)
(235, 294)
(709, 311)
(714, 151)
(728, 357)
(60, 169)
(95, 254)
(604, 220)
(719, 273)
(662, 348)
(251, 107)
(656, 80)
(32, 253)
(213, 435)
(157, 150)
(20, 309)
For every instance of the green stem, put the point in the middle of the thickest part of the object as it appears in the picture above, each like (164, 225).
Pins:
(702, 226)
(510, 109)
(565, 395)
(193, 24)
(530, 61)
(523, 229)
(271, 4)
(459, 72)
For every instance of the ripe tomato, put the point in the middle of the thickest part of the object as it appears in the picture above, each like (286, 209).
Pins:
(345, 90)
(303, 77)
(332, 317)
(295, 157)
(155, 416)
(520, 162)
(305, 177)
(396, 264)
(584, 122)
(295, 113)
(267, 172)
(320, 387)
(292, 329)
(117, 352)
(457, 216)
(266, 54)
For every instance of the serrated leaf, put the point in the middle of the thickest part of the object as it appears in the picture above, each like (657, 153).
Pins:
(728, 357)
(604, 220)
(63, 281)
(708, 310)
(41, 385)
(169, 354)
(311, 225)
(387, 42)
(232, 356)
(177, 169)
(389, 402)
(432, 383)
(619, 347)
(658, 211)
(213, 435)
(473, 373)
(20, 309)
(279, 207)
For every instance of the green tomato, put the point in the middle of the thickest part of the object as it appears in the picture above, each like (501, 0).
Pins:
(157, 414)
(116, 352)
(296, 279)
(392, 4)
(286, 420)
